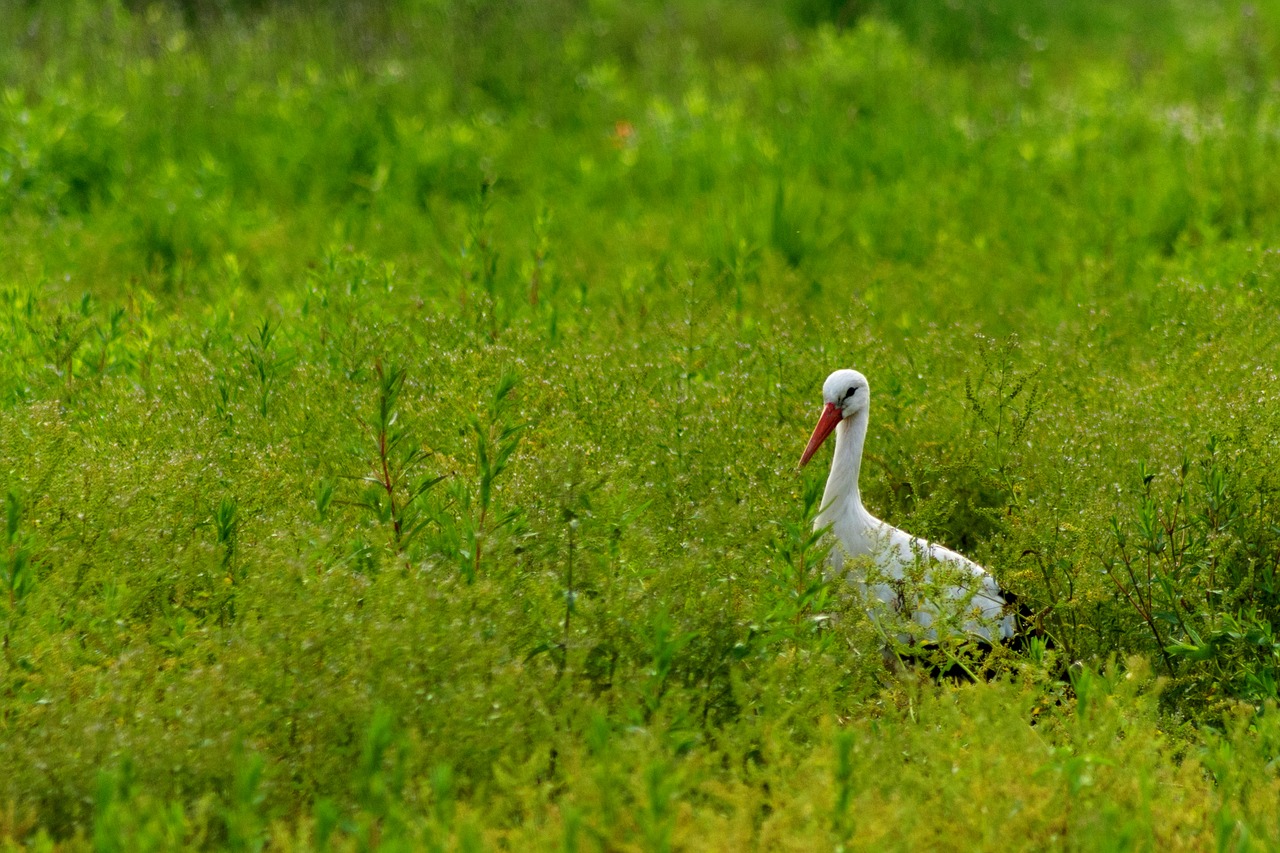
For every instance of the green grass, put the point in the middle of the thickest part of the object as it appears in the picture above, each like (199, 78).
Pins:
(400, 404)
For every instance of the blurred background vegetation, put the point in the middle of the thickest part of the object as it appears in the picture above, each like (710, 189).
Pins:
(399, 406)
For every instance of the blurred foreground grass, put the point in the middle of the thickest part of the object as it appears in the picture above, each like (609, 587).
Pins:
(399, 408)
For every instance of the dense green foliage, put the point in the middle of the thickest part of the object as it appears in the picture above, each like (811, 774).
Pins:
(399, 410)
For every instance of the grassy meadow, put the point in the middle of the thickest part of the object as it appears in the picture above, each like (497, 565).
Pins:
(400, 406)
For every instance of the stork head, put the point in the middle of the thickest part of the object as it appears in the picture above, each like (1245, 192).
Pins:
(844, 394)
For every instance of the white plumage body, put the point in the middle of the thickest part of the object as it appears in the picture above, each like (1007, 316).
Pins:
(907, 574)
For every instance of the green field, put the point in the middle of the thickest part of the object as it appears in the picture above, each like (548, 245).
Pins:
(400, 406)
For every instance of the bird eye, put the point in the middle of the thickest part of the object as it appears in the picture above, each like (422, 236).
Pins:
(849, 393)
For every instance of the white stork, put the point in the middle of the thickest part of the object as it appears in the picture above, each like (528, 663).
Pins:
(964, 594)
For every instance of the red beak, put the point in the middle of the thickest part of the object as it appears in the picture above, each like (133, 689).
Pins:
(831, 416)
